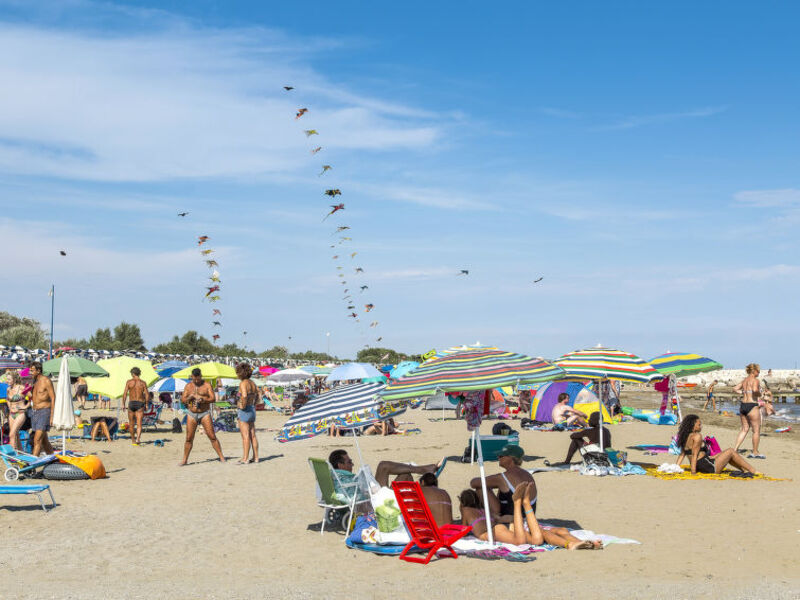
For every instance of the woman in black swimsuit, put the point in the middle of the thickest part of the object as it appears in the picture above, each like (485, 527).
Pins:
(749, 410)
(691, 443)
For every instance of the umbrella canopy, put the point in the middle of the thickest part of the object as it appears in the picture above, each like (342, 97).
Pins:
(288, 376)
(463, 348)
(169, 384)
(472, 370)
(403, 368)
(7, 363)
(607, 363)
(210, 370)
(119, 372)
(683, 364)
(347, 406)
(170, 367)
(349, 371)
(267, 370)
(316, 369)
(63, 411)
(78, 367)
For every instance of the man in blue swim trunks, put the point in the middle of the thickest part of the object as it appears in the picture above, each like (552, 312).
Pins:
(42, 419)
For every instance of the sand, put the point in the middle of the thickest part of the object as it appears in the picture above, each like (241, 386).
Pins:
(211, 530)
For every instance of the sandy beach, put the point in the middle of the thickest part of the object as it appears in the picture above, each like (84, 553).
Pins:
(211, 530)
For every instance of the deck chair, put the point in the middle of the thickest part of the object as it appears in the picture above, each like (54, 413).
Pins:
(30, 489)
(326, 491)
(593, 455)
(425, 534)
(21, 463)
(151, 417)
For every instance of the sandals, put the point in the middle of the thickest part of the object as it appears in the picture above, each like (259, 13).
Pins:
(751, 455)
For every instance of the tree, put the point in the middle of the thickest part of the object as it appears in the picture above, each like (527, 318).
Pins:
(190, 342)
(21, 331)
(380, 355)
(276, 352)
(311, 356)
(127, 336)
(102, 340)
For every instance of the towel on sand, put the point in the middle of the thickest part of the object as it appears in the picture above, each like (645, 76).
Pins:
(687, 474)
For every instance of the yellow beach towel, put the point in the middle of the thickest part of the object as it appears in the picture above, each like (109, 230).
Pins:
(687, 474)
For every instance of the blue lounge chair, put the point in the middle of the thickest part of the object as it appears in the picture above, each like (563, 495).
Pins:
(30, 489)
(21, 463)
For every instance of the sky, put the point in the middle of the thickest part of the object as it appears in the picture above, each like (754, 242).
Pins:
(641, 158)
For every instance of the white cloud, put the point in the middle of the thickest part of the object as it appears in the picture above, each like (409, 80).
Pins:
(640, 120)
(178, 102)
(416, 274)
(779, 198)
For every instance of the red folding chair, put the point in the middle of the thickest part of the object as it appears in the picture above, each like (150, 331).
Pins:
(425, 534)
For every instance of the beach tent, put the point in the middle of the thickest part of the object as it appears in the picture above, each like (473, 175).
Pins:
(545, 397)
(440, 401)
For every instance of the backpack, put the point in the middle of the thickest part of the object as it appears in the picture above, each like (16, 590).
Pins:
(176, 426)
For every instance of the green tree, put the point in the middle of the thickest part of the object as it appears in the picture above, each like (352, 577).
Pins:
(127, 336)
(102, 340)
(72, 343)
(380, 355)
(21, 331)
(276, 352)
(190, 342)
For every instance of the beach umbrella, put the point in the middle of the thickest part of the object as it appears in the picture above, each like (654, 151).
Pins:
(681, 364)
(403, 368)
(63, 411)
(463, 348)
(378, 379)
(316, 369)
(470, 371)
(354, 370)
(169, 384)
(210, 370)
(170, 367)
(267, 370)
(600, 364)
(7, 363)
(288, 377)
(78, 367)
(347, 406)
(119, 372)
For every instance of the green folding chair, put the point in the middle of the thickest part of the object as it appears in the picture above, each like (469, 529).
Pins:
(326, 493)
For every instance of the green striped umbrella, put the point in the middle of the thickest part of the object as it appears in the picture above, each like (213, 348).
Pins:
(683, 364)
(607, 363)
(471, 370)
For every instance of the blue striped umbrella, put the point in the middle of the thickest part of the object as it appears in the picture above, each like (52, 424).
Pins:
(346, 406)
(169, 384)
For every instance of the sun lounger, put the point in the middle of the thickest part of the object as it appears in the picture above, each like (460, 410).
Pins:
(21, 463)
(421, 525)
(29, 489)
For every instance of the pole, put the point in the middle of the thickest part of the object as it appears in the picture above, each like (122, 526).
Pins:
(486, 511)
(52, 316)
(328, 335)
(600, 408)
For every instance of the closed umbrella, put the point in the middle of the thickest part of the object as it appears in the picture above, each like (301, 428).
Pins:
(350, 371)
(63, 411)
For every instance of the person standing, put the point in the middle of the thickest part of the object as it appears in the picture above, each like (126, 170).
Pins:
(17, 405)
(136, 395)
(198, 396)
(248, 395)
(42, 419)
(82, 392)
(710, 397)
(749, 410)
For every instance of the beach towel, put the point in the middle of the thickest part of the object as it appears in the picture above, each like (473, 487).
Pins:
(652, 448)
(687, 474)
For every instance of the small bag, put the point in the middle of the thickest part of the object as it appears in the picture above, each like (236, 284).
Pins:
(176, 425)
(712, 445)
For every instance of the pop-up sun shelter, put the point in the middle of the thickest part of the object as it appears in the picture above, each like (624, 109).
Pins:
(580, 398)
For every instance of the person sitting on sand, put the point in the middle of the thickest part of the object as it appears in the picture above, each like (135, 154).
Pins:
(524, 528)
(386, 427)
(198, 396)
(692, 444)
(501, 503)
(565, 415)
(105, 424)
(438, 500)
(588, 436)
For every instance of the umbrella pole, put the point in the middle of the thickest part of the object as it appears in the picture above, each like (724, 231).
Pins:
(63, 442)
(358, 449)
(486, 511)
(600, 409)
(673, 390)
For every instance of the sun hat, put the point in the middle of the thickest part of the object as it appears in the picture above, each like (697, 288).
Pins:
(511, 450)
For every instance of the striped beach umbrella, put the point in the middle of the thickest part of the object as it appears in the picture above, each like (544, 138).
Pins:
(346, 406)
(169, 384)
(471, 370)
(683, 364)
(7, 363)
(607, 363)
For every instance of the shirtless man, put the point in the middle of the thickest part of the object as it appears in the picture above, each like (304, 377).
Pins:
(138, 395)
(566, 415)
(438, 500)
(198, 395)
(42, 419)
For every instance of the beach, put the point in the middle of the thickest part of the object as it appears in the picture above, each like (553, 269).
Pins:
(152, 529)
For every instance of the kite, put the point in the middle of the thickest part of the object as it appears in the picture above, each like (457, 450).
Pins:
(288, 88)
(339, 268)
(183, 214)
(344, 283)
(373, 324)
(215, 277)
(379, 339)
(333, 246)
(385, 356)
(217, 324)
(354, 315)
(62, 253)
(215, 337)
(317, 149)
(359, 270)
(341, 274)
(350, 307)
(463, 272)
(301, 112)
(217, 312)
(538, 280)
(207, 251)
(341, 228)
(364, 287)
(333, 193)
(212, 263)
(213, 298)
(202, 239)
(353, 254)
(211, 290)
(369, 307)
(310, 132)
(335, 256)
(324, 169)
(346, 239)
(336, 208)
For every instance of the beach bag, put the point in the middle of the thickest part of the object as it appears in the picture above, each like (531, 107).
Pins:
(712, 445)
(388, 516)
(176, 425)
(503, 429)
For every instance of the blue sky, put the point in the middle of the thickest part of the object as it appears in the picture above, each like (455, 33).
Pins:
(643, 159)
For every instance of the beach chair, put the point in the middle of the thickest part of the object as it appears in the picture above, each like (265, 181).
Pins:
(38, 490)
(326, 493)
(21, 463)
(425, 534)
(151, 417)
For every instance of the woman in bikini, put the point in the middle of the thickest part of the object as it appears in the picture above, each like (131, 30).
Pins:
(501, 503)
(692, 445)
(525, 529)
(248, 395)
(17, 404)
(749, 409)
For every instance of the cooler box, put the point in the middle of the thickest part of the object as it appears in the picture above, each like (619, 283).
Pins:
(491, 444)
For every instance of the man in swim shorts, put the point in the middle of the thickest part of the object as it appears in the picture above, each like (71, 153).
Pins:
(42, 418)
(136, 391)
(564, 414)
(198, 395)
